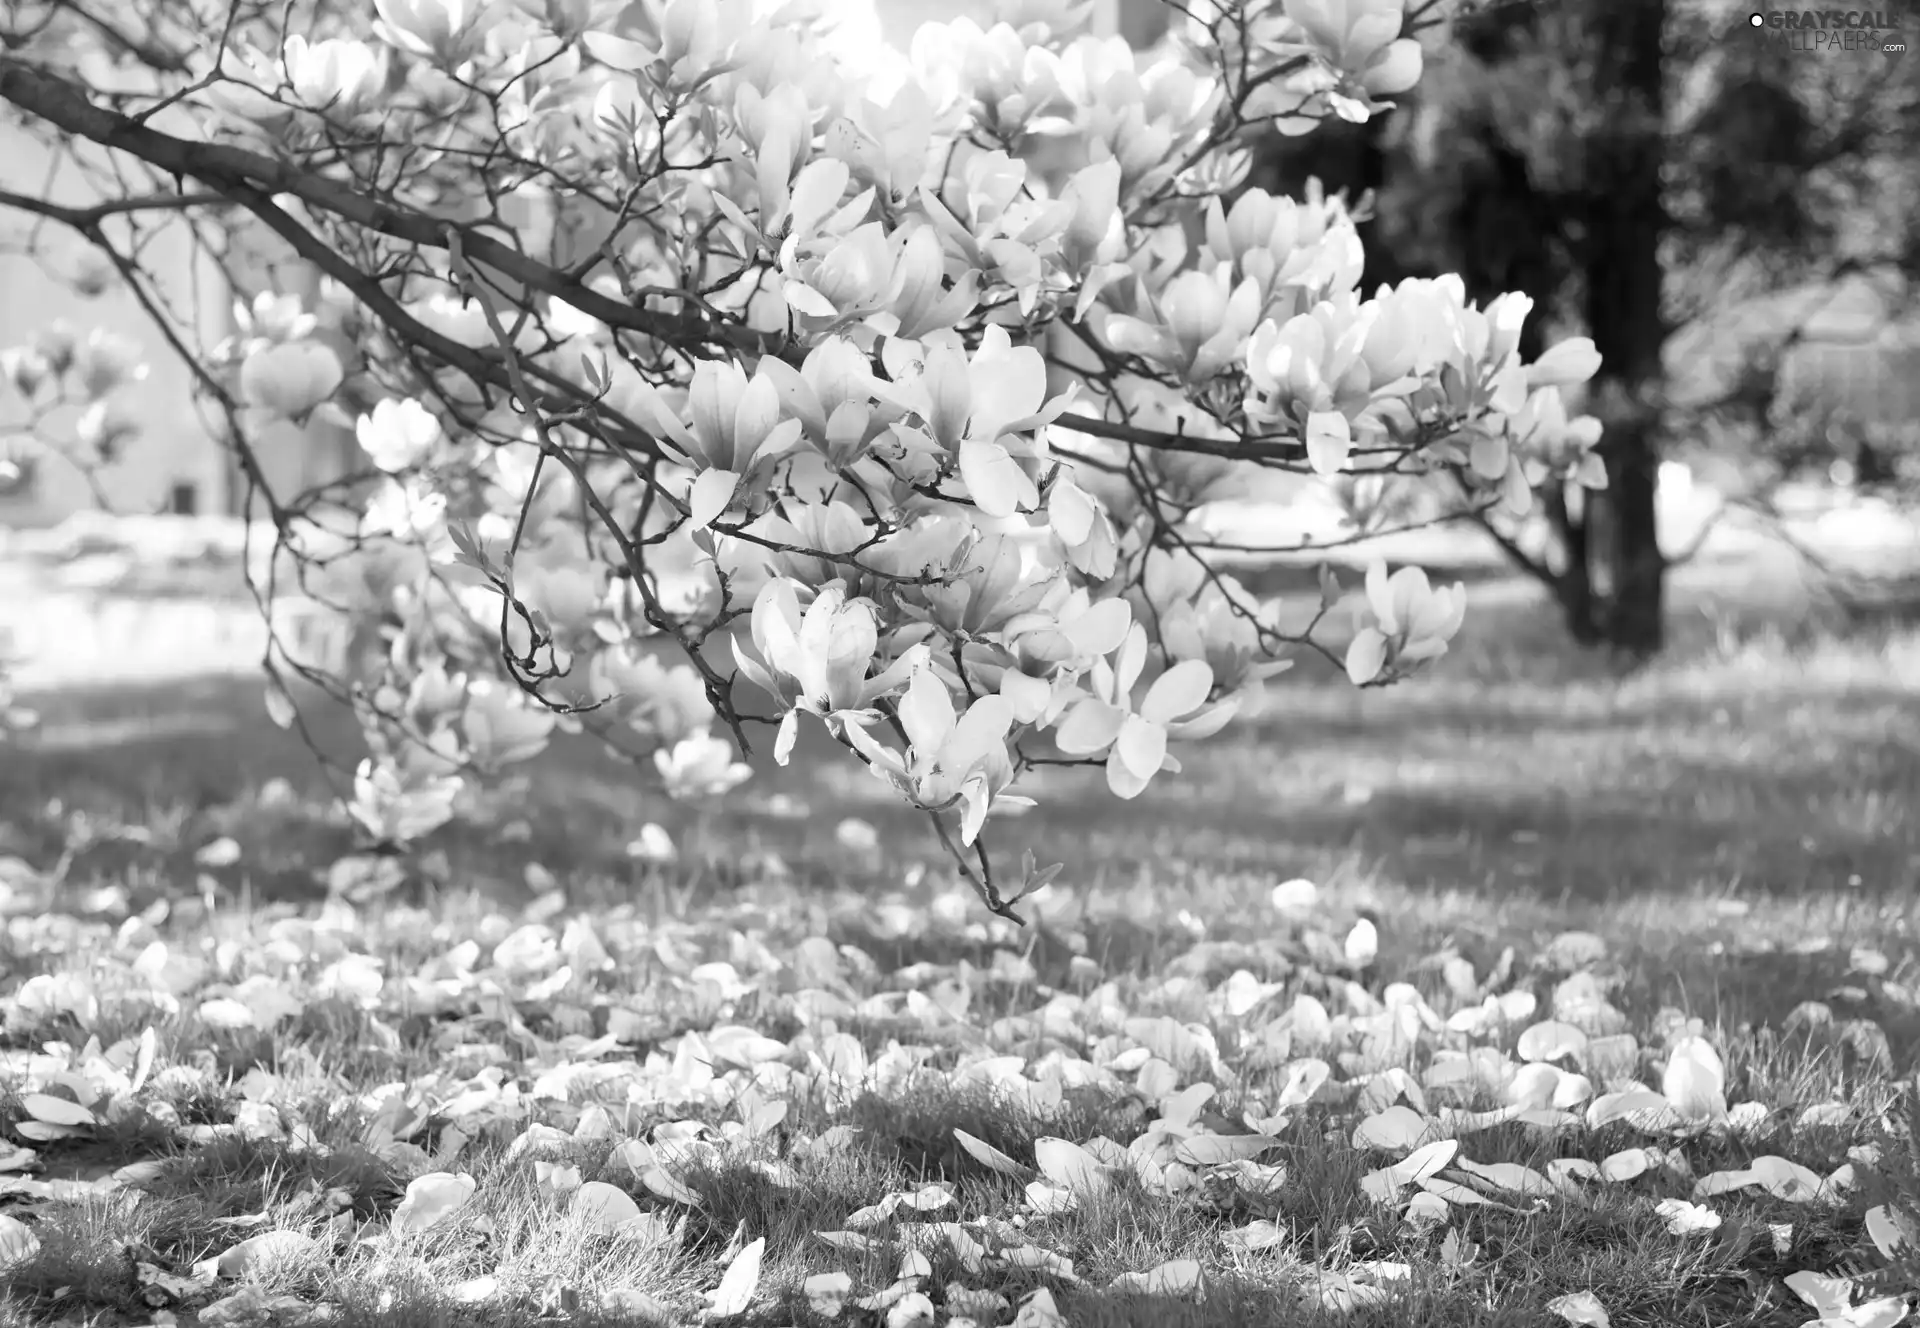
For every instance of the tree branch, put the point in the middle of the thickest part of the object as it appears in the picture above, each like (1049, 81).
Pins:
(85, 218)
(250, 178)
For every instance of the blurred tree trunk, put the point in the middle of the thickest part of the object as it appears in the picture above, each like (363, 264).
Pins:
(1626, 225)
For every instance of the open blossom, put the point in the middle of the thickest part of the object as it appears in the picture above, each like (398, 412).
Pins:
(1362, 58)
(974, 406)
(1134, 740)
(1405, 621)
(951, 758)
(663, 703)
(1202, 320)
(735, 430)
(1309, 371)
(814, 662)
(290, 379)
(443, 30)
(700, 766)
(104, 361)
(398, 434)
(1278, 242)
(1009, 81)
(503, 726)
(335, 74)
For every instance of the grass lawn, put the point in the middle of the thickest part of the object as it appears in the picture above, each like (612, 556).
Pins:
(1175, 1099)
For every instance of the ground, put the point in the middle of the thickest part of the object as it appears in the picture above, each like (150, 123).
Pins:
(787, 1055)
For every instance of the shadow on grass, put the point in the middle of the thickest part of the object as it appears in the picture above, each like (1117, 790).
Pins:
(1519, 768)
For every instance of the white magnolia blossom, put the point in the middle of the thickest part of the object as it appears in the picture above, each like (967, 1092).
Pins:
(888, 390)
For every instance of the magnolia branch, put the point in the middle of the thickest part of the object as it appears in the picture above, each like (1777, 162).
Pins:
(82, 219)
(248, 177)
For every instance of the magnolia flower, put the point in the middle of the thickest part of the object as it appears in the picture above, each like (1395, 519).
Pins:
(832, 395)
(1564, 364)
(1080, 522)
(989, 583)
(700, 766)
(26, 368)
(290, 379)
(667, 704)
(503, 726)
(1202, 321)
(399, 434)
(1548, 437)
(692, 41)
(1135, 741)
(103, 426)
(392, 807)
(271, 317)
(1363, 57)
(1220, 626)
(1009, 80)
(335, 74)
(951, 758)
(446, 31)
(971, 404)
(1309, 370)
(104, 361)
(842, 277)
(564, 586)
(814, 662)
(1276, 242)
(1061, 638)
(1410, 622)
(736, 429)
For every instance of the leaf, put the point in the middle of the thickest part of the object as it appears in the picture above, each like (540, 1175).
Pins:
(280, 707)
(266, 1250)
(602, 1208)
(1329, 441)
(1070, 1166)
(1394, 1130)
(1581, 1307)
(1829, 1295)
(826, 1293)
(1549, 1040)
(661, 1183)
(1641, 1106)
(739, 1282)
(1329, 587)
(709, 497)
(1695, 1081)
(1683, 1218)
(1626, 1164)
(1366, 656)
(1039, 1311)
(1510, 1176)
(430, 1200)
(1384, 1186)
(1210, 1150)
(1890, 1229)
(990, 1157)
(1362, 944)
(17, 1241)
(1296, 896)
(994, 479)
(52, 1110)
(1177, 1277)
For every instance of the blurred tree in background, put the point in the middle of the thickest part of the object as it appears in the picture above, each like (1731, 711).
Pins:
(1636, 166)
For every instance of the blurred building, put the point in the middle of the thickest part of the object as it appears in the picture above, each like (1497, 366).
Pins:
(175, 462)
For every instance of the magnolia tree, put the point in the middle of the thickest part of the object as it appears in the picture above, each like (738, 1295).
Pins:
(893, 411)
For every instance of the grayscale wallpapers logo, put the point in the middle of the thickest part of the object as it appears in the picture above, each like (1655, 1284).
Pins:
(1874, 31)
